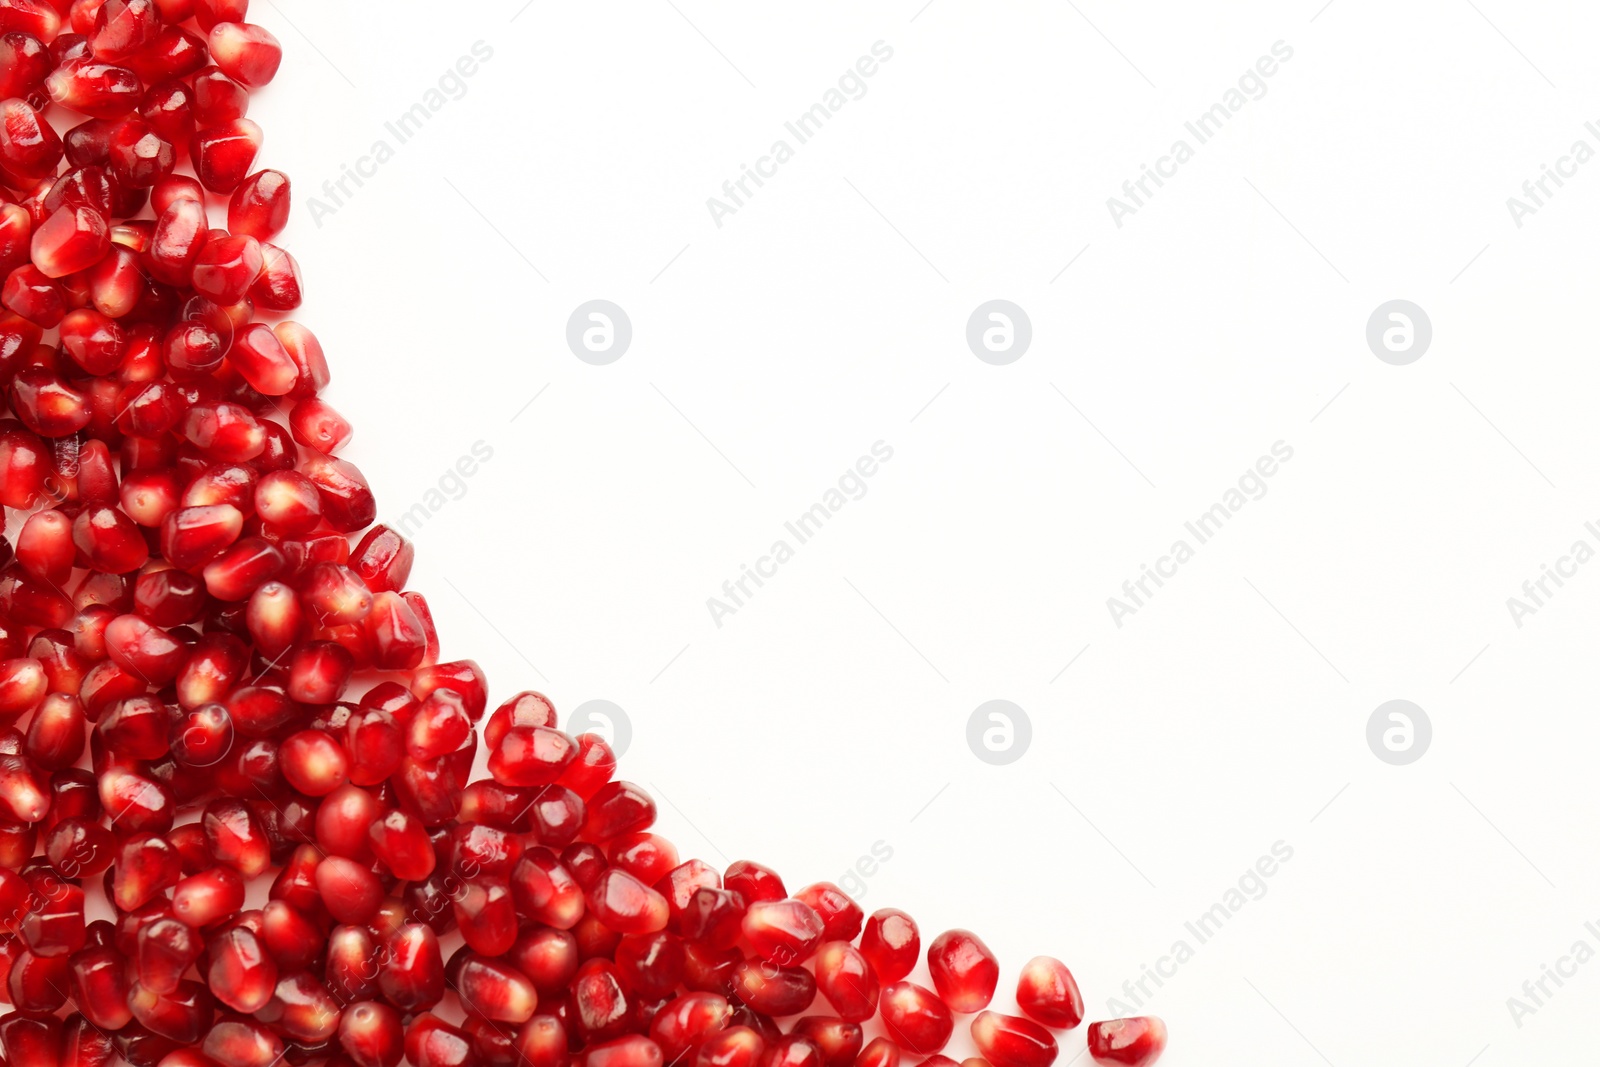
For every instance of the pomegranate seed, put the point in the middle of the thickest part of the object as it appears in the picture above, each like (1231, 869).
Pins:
(350, 891)
(35, 296)
(774, 990)
(24, 62)
(495, 991)
(95, 88)
(100, 987)
(223, 153)
(964, 971)
(684, 1022)
(847, 980)
(123, 27)
(1047, 993)
(783, 931)
(246, 53)
(880, 1052)
(891, 943)
(1009, 1041)
(1135, 1042)
(242, 1043)
(372, 1035)
(838, 1041)
(413, 977)
(916, 1019)
(29, 147)
(259, 207)
(841, 916)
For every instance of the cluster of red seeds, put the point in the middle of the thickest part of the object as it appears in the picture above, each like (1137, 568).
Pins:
(217, 617)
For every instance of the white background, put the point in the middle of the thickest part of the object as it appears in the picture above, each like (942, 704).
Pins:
(829, 313)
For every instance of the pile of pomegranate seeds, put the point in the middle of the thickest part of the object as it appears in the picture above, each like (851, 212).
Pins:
(196, 593)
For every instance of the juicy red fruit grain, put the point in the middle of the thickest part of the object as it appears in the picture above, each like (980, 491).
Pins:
(1133, 1042)
(964, 971)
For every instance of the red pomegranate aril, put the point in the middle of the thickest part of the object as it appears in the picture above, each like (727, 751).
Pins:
(226, 268)
(240, 973)
(208, 897)
(630, 1051)
(626, 904)
(841, 916)
(168, 109)
(839, 1041)
(280, 286)
(774, 990)
(242, 1043)
(685, 1021)
(302, 1010)
(754, 881)
(179, 237)
(350, 891)
(371, 1034)
(318, 672)
(191, 537)
(1048, 994)
(315, 424)
(891, 943)
(314, 763)
(1010, 1041)
(847, 980)
(648, 857)
(347, 501)
(24, 62)
(95, 88)
(31, 294)
(174, 53)
(123, 27)
(310, 362)
(246, 53)
(223, 154)
(964, 971)
(56, 734)
(242, 568)
(737, 1046)
(167, 948)
(783, 931)
(23, 684)
(618, 808)
(343, 820)
(491, 990)
(917, 1020)
(38, 984)
(1133, 1042)
(236, 837)
(100, 987)
(31, 1040)
(259, 208)
(139, 156)
(29, 147)
(532, 756)
(402, 844)
(486, 915)
(413, 976)
(880, 1052)
(54, 927)
(431, 1042)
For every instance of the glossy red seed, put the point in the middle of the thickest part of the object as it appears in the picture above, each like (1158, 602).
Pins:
(413, 977)
(837, 1040)
(1133, 1042)
(1047, 993)
(891, 943)
(841, 916)
(1009, 1041)
(847, 980)
(371, 1034)
(880, 1052)
(783, 931)
(223, 154)
(964, 971)
(916, 1019)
